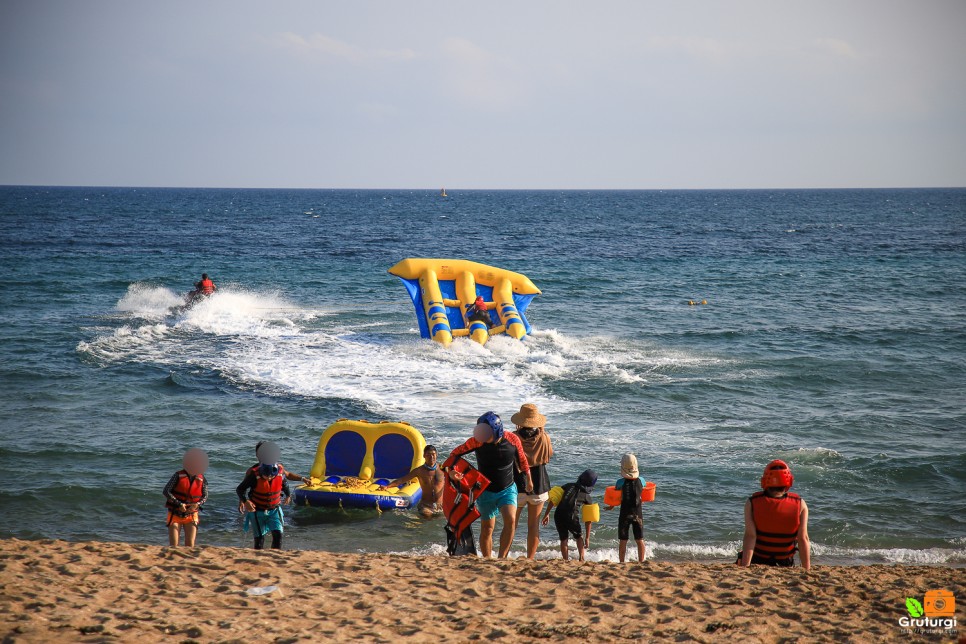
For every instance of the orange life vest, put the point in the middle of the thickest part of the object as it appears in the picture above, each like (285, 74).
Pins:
(267, 493)
(776, 523)
(189, 489)
(207, 287)
(459, 497)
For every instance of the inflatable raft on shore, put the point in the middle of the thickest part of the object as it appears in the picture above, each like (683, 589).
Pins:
(355, 458)
(443, 290)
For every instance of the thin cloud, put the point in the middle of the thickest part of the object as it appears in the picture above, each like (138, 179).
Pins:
(324, 47)
(709, 50)
(478, 77)
(836, 47)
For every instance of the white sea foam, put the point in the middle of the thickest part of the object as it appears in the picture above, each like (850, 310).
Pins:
(148, 301)
(262, 340)
(727, 552)
(927, 556)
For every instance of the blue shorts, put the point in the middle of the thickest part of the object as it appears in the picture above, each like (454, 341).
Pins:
(264, 521)
(489, 503)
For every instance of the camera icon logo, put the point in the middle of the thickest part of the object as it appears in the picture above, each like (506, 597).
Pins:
(939, 603)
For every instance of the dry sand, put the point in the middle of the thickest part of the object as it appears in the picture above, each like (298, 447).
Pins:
(57, 591)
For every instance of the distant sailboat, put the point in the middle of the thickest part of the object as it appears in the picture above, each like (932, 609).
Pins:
(442, 193)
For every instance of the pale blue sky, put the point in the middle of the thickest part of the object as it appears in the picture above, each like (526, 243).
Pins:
(498, 94)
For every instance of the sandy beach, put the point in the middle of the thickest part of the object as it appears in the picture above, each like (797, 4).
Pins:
(58, 591)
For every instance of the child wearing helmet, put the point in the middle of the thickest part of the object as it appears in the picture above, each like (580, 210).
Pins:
(499, 454)
(776, 522)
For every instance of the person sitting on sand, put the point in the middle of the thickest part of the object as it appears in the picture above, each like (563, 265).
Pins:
(186, 491)
(498, 454)
(776, 522)
(536, 445)
(631, 516)
(260, 499)
(431, 482)
(478, 312)
(569, 513)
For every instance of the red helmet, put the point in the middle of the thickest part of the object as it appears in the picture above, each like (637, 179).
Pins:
(479, 300)
(777, 474)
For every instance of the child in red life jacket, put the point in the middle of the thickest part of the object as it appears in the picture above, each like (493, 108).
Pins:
(271, 456)
(260, 497)
(185, 492)
(776, 522)
(631, 517)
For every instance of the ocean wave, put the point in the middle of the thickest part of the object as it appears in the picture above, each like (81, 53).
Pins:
(727, 553)
(926, 556)
(124, 342)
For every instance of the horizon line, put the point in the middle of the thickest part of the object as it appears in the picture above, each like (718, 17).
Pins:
(458, 189)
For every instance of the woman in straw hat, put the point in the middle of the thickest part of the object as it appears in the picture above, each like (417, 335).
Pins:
(536, 445)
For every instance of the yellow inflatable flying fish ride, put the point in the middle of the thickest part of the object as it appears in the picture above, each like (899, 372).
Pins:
(443, 292)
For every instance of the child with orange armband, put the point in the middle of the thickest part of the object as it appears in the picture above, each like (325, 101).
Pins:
(630, 487)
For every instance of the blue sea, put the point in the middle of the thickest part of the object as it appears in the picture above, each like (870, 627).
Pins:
(833, 337)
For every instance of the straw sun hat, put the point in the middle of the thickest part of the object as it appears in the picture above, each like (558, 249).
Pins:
(528, 416)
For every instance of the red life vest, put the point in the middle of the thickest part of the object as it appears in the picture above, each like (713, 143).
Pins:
(189, 489)
(776, 522)
(459, 497)
(206, 286)
(267, 493)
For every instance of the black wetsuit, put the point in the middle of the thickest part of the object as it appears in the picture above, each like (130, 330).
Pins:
(631, 515)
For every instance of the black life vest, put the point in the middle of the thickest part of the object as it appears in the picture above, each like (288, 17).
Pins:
(631, 497)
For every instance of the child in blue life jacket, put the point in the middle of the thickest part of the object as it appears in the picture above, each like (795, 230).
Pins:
(569, 513)
(631, 517)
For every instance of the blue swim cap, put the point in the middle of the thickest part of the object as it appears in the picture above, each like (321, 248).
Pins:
(491, 419)
(587, 479)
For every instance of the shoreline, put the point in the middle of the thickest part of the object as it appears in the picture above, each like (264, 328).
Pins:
(60, 591)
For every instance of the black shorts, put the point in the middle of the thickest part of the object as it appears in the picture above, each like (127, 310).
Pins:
(770, 561)
(626, 522)
(565, 530)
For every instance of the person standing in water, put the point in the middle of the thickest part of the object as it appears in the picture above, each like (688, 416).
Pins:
(498, 454)
(185, 493)
(530, 429)
(569, 514)
(631, 515)
(261, 494)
